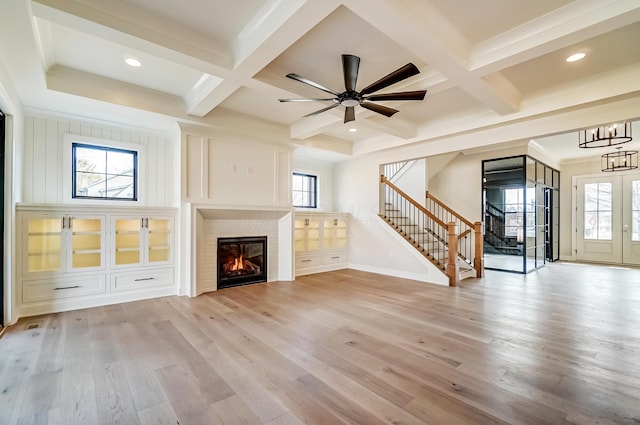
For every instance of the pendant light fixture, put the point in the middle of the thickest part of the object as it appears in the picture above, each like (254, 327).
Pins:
(619, 160)
(605, 135)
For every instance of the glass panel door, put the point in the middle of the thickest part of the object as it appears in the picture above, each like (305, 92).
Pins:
(86, 242)
(159, 240)
(128, 241)
(313, 234)
(44, 244)
(599, 215)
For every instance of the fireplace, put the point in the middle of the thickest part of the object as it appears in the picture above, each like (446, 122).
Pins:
(242, 261)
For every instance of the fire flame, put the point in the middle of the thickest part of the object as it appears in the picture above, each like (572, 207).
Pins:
(237, 264)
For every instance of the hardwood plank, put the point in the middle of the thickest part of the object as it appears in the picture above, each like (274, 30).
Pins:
(114, 400)
(160, 414)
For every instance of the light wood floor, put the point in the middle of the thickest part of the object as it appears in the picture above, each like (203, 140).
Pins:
(559, 346)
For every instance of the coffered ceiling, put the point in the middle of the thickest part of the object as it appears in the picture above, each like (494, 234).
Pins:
(485, 64)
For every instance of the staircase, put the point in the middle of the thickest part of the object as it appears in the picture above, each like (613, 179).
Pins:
(497, 241)
(434, 230)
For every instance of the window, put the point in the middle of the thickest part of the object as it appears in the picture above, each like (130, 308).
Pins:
(305, 191)
(100, 172)
(598, 211)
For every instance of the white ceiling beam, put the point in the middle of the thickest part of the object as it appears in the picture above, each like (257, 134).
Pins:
(571, 24)
(426, 33)
(277, 25)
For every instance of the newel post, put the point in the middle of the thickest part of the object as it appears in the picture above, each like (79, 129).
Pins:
(478, 258)
(452, 247)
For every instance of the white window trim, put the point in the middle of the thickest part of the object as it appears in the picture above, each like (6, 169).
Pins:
(69, 139)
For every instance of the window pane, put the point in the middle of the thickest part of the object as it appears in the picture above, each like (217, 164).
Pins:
(590, 225)
(120, 163)
(90, 184)
(90, 160)
(591, 197)
(635, 227)
(635, 195)
(604, 196)
(120, 187)
(604, 226)
(297, 182)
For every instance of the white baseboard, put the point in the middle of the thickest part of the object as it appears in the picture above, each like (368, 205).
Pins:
(394, 273)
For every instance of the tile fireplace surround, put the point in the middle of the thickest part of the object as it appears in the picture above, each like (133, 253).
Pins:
(209, 223)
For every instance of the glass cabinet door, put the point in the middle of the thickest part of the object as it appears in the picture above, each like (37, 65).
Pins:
(128, 241)
(86, 242)
(300, 234)
(335, 233)
(44, 244)
(313, 234)
(340, 233)
(158, 240)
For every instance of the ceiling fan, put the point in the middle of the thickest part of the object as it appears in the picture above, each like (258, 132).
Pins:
(350, 98)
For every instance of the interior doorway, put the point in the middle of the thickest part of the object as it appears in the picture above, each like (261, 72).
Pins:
(608, 219)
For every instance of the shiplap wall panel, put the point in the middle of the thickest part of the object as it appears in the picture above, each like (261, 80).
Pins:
(44, 150)
(39, 156)
(27, 153)
(51, 161)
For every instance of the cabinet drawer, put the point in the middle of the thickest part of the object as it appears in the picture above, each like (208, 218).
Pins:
(57, 289)
(305, 261)
(335, 258)
(141, 279)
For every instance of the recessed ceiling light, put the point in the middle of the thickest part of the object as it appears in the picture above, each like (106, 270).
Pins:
(353, 130)
(576, 57)
(133, 62)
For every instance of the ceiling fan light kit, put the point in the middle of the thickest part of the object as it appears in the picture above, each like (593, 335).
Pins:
(350, 98)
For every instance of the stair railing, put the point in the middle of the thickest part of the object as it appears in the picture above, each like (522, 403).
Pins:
(428, 233)
(470, 238)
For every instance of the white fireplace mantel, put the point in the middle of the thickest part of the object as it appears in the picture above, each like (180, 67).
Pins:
(205, 222)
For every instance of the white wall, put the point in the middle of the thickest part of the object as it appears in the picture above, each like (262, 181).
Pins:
(324, 171)
(225, 169)
(44, 161)
(459, 184)
(413, 181)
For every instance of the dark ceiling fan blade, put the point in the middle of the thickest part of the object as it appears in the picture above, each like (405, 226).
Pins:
(350, 66)
(349, 114)
(399, 74)
(379, 108)
(322, 110)
(307, 99)
(311, 83)
(405, 95)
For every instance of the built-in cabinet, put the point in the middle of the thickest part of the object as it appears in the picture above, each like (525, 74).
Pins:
(81, 256)
(57, 243)
(320, 241)
(141, 241)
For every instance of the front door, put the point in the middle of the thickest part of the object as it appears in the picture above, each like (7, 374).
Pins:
(608, 219)
(631, 219)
